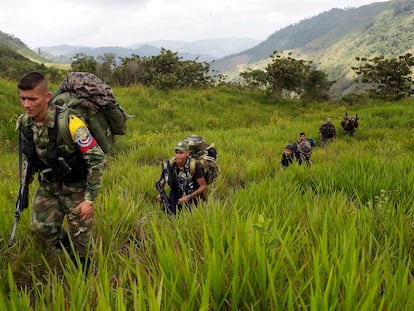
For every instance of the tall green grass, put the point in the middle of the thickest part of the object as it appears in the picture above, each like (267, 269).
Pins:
(334, 236)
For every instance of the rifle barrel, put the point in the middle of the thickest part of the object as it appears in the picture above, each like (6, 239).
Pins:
(22, 201)
(13, 234)
(163, 196)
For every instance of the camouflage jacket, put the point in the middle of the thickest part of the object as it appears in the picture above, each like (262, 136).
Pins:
(327, 130)
(93, 155)
(304, 147)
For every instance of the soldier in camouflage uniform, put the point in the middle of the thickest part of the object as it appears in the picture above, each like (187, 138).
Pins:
(303, 149)
(186, 189)
(69, 176)
(327, 132)
(288, 155)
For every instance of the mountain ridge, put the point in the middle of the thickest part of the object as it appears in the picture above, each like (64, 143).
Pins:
(204, 50)
(333, 39)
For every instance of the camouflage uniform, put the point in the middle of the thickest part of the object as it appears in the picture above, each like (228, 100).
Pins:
(303, 152)
(53, 200)
(182, 182)
(327, 131)
(349, 125)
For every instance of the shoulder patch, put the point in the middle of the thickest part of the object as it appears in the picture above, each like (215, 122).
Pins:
(80, 134)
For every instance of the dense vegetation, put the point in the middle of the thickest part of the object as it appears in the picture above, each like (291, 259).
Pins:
(336, 236)
(164, 71)
(387, 78)
(286, 76)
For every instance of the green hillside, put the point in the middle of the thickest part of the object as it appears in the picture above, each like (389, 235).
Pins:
(18, 46)
(14, 65)
(334, 38)
(334, 236)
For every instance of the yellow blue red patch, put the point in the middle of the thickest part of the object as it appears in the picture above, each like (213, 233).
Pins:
(84, 139)
(80, 134)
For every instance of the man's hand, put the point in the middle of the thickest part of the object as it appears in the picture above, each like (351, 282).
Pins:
(185, 199)
(86, 210)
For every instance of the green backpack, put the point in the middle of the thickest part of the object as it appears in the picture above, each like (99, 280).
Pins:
(205, 154)
(88, 97)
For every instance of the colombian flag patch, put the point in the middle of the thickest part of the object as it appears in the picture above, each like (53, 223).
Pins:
(84, 140)
(80, 134)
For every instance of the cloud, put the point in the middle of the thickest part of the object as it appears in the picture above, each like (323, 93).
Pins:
(129, 22)
(106, 3)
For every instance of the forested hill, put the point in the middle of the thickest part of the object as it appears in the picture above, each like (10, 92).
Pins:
(334, 38)
(15, 44)
(16, 59)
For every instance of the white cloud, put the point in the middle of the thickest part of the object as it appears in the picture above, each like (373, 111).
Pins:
(127, 22)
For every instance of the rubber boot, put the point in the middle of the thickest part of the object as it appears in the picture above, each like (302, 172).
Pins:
(65, 242)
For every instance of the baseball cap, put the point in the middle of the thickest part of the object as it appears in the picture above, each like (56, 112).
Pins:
(181, 146)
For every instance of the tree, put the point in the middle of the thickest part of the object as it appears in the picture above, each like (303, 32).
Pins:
(168, 71)
(105, 67)
(255, 79)
(83, 62)
(286, 76)
(388, 79)
(316, 86)
(131, 71)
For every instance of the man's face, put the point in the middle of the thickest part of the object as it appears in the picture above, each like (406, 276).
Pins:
(302, 137)
(35, 102)
(181, 156)
(288, 152)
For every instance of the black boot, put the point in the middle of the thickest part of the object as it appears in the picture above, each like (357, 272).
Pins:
(64, 242)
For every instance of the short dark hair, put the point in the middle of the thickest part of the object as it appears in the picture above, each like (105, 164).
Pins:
(301, 133)
(31, 80)
(291, 147)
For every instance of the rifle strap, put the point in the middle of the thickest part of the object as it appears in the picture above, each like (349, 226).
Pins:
(20, 155)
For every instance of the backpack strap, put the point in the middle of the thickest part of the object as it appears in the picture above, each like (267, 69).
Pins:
(63, 125)
(171, 161)
(192, 166)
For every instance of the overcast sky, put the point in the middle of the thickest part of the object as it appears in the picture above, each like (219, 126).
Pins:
(129, 22)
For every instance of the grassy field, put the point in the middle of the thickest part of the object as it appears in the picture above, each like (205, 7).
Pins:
(334, 236)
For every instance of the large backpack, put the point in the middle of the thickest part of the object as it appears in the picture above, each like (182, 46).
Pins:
(85, 95)
(205, 154)
(311, 141)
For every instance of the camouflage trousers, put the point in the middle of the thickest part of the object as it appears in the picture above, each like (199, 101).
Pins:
(51, 203)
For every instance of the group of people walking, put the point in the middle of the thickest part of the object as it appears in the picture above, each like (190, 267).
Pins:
(301, 150)
(70, 174)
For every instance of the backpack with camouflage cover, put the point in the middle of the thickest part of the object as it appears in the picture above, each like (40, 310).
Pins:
(349, 124)
(205, 154)
(85, 95)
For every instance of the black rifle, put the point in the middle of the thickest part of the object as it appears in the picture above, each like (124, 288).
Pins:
(163, 195)
(22, 200)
